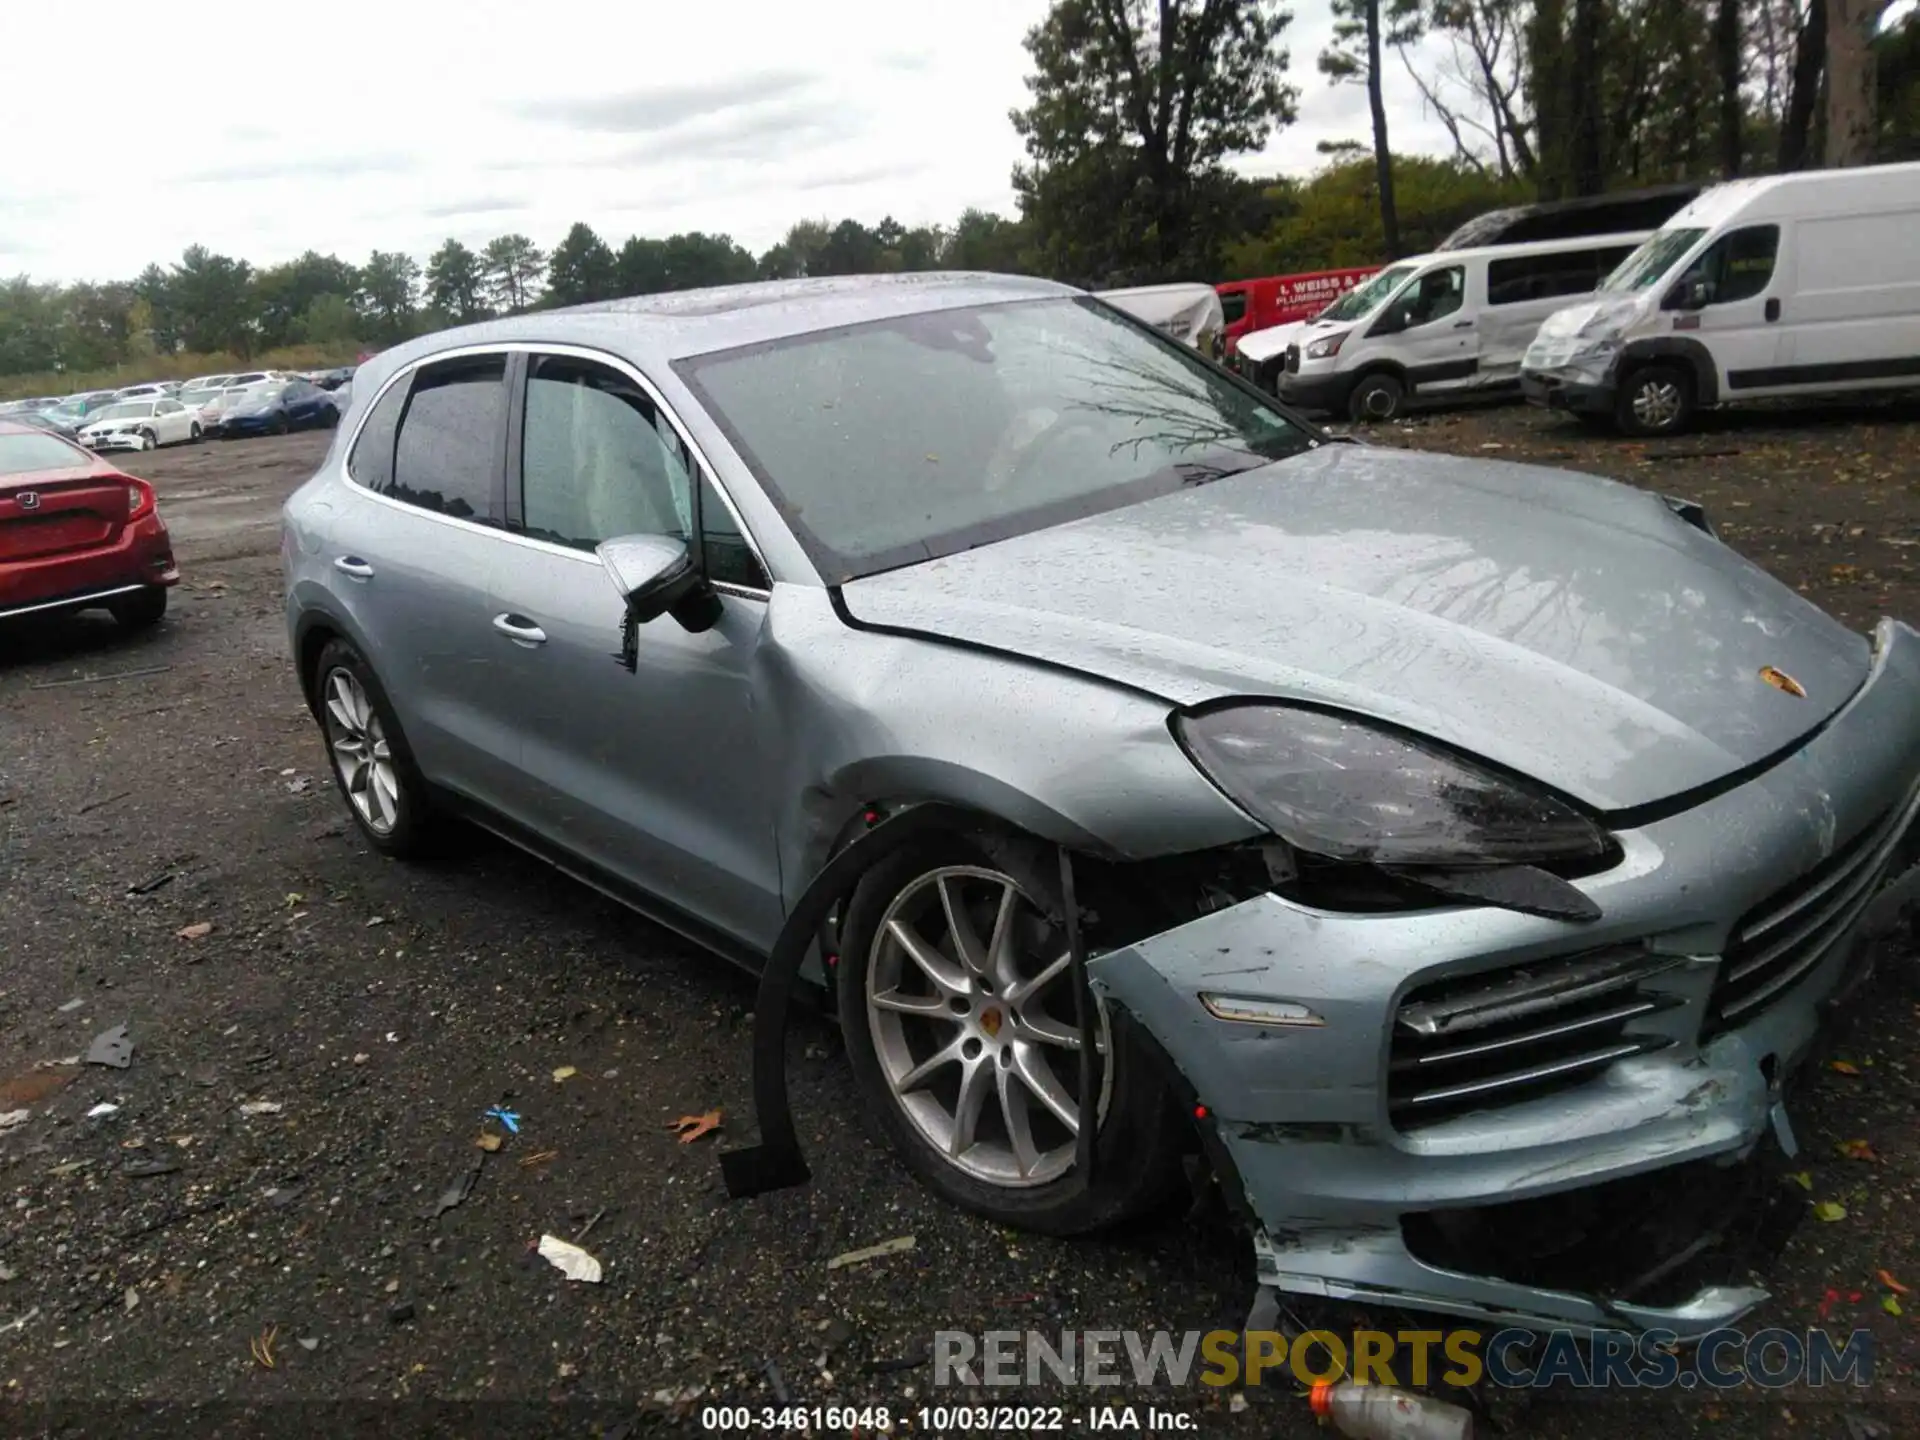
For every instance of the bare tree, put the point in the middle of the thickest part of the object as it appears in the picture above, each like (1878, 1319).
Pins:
(1478, 91)
(1730, 61)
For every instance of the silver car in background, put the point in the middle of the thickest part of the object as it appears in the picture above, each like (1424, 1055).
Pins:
(1467, 852)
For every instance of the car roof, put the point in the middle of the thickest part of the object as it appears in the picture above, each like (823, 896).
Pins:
(669, 327)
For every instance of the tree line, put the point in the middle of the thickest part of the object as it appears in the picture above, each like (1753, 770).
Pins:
(1137, 115)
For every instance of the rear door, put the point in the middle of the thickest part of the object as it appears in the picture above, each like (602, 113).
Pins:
(1851, 318)
(410, 555)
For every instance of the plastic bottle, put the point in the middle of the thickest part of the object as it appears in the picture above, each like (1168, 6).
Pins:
(1380, 1412)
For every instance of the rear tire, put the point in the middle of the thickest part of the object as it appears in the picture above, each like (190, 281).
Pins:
(193, 436)
(1000, 1033)
(1655, 400)
(1378, 397)
(371, 763)
(142, 610)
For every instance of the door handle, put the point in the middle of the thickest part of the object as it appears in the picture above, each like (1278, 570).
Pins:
(1773, 309)
(353, 565)
(1463, 324)
(519, 629)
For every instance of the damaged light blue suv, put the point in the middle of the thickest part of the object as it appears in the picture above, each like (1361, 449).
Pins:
(1466, 853)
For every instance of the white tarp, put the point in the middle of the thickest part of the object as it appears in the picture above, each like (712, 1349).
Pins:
(1188, 312)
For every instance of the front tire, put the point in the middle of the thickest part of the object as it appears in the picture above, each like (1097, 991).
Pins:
(371, 763)
(149, 440)
(956, 1005)
(1378, 397)
(142, 610)
(281, 425)
(1655, 400)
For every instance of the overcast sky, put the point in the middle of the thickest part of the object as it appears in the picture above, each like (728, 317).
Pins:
(343, 125)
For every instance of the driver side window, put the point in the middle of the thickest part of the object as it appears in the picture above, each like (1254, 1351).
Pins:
(1435, 295)
(1737, 266)
(596, 460)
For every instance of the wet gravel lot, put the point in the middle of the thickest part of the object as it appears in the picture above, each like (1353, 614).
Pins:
(317, 1032)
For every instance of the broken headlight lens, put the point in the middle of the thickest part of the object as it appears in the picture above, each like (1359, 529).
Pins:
(1334, 787)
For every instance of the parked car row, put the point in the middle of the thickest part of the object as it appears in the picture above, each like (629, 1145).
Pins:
(1780, 287)
(143, 416)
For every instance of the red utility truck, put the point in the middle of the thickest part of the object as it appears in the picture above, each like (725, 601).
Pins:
(1280, 299)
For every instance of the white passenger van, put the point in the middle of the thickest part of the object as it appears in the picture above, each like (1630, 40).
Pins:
(1451, 324)
(1798, 284)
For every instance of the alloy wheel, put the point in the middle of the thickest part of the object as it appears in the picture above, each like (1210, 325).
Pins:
(1656, 403)
(969, 1000)
(361, 753)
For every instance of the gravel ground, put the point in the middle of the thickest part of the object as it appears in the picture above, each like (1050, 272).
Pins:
(382, 1008)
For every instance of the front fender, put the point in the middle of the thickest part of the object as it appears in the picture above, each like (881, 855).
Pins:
(1688, 351)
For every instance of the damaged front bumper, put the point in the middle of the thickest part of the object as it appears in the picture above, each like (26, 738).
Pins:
(1411, 1070)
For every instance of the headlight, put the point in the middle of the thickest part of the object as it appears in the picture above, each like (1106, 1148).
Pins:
(1335, 787)
(1321, 349)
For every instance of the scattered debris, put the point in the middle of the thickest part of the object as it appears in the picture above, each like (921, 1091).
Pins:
(93, 805)
(7, 1272)
(262, 1346)
(1843, 1067)
(307, 1342)
(147, 887)
(105, 1107)
(1891, 1304)
(132, 1300)
(10, 1118)
(1885, 1277)
(71, 1006)
(1237, 1405)
(281, 1196)
(300, 786)
(912, 1360)
(102, 679)
(111, 1047)
(174, 1217)
(400, 1314)
(569, 1259)
(1858, 1150)
(145, 1169)
(601, 1212)
(507, 1118)
(565, 1072)
(1860, 1427)
(376, 920)
(896, 1246)
(539, 1157)
(691, 1127)
(199, 930)
(1829, 1210)
(262, 1107)
(458, 1190)
(489, 1141)
(1802, 1178)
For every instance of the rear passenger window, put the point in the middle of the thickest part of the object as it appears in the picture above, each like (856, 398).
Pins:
(451, 436)
(370, 462)
(1545, 277)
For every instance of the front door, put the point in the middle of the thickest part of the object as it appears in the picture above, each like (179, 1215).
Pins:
(1727, 299)
(657, 775)
(1431, 331)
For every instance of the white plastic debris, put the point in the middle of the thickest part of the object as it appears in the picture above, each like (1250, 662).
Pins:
(894, 1246)
(262, 1107)
(569, 1259)
(12, 1118)
(103, 1108)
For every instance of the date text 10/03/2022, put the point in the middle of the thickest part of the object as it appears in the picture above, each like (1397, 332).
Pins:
(944, 1419)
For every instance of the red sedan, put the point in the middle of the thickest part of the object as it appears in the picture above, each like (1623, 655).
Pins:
(76, 534)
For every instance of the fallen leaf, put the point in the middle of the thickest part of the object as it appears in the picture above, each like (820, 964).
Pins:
(489, 1142)
(539, 1157)
(294, 899)
(569, 1259)
(261, 1107)
(1886, 1278)
(199, 930)
(1829, 1210)
(262, 1346)
(1891, 1304)
(1843, 1067)
(565, 1072)
(898, 1245)
(1802, 1178)
(1857, 1150)
(691, 1127)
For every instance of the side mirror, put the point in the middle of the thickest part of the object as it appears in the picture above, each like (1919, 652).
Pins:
(1393, 322)
(1695, 294)
(656, 576)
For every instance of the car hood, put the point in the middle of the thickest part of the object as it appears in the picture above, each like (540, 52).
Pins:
(1570, 628)
(1265, 344)
(1597, 318)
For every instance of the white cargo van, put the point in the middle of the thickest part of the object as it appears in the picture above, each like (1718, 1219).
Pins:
(1796, 284)
(1446, 325)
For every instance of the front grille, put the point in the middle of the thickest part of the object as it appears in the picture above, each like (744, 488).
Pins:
(1780, 942)
(1293, 360)
(1492, 1039)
